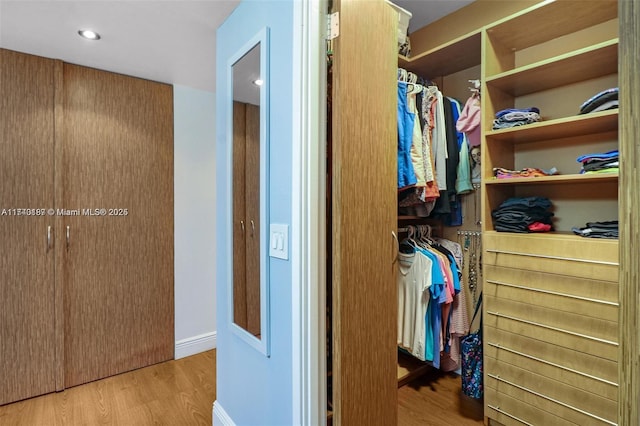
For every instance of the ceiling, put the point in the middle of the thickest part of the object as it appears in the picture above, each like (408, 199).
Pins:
(172, 41)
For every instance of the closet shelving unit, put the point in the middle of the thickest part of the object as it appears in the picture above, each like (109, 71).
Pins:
(551, 300)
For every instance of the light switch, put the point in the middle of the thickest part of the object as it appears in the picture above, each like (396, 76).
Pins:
(279, 241)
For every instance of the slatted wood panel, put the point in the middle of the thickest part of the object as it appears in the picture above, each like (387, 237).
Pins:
(27, 326)
(118, 275)
(364, 214)
(252, 199)
(629, 205)
(239, 219)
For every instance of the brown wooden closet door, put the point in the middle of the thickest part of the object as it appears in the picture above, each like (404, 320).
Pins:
(27, 326)
(118, 269)
(239, 219)
(364, 146)
(252, 197)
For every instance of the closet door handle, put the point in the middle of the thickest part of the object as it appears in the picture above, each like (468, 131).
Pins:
(397, 246)
(253, 228)
(242, 225)
(68, 235)
(48, 238)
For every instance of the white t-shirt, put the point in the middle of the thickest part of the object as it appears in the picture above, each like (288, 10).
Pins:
(414, 280)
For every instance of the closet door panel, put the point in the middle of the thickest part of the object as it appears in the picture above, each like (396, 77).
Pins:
(27, 326)
(118, 276)
(252, 197)
(239, 218)
(364, 186)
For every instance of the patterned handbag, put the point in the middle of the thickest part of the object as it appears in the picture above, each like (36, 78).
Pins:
(471, 348)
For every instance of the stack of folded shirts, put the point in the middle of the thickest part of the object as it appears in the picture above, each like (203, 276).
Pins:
(502, 173)
(607, 229)
(605, 162)
(513, 117)
(607, 99)
(523, 215)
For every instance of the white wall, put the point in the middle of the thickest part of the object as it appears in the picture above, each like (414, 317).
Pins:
(194, 200)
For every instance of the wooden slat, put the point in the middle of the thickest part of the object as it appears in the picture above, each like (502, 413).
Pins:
(577, 343)
(569, 321)
(364, 186)
(600, 293)
(504, 407)
(553, 244)
(584, 362)
(629, 370)
(561, 399)
(516, 290)
(118, 276)
(496, 356)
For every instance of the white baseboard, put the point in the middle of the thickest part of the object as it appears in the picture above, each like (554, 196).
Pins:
(195, 345)
(220, 417)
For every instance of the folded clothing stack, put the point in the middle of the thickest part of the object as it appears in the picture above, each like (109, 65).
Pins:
(502, 173)
(608, 229)
(607, 99)
(513, 117)
(523, 215)
(605, 162)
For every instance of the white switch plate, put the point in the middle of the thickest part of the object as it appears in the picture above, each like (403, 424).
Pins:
(279, 241)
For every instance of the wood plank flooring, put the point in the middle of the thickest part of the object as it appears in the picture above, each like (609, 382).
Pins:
(436, 399)
(171, 393)
(181, 393)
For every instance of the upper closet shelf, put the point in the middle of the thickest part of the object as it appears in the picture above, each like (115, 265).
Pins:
(580, 125)
(573, 178)
(580, 65)
(457, 55)
(550, 19)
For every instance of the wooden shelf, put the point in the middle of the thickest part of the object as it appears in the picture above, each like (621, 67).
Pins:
(457, 55)
(548, 20)
(580, 65)
(560, 235)
(573, 179)
(580, 125)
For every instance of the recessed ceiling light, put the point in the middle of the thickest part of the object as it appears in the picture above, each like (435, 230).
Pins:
(258, 82)
(89, 35)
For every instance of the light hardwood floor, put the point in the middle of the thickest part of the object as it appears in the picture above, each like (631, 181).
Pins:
(436, 399)
(181, 393)
(171, 393)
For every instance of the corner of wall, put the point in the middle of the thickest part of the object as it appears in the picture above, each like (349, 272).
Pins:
(195, 345)
(220, 417)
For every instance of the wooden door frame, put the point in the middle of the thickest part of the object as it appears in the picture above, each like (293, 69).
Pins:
(308, 200)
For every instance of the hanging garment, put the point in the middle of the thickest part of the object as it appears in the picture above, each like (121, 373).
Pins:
(406, 174)
(469, 120)
(414, 281)
(417, 153)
